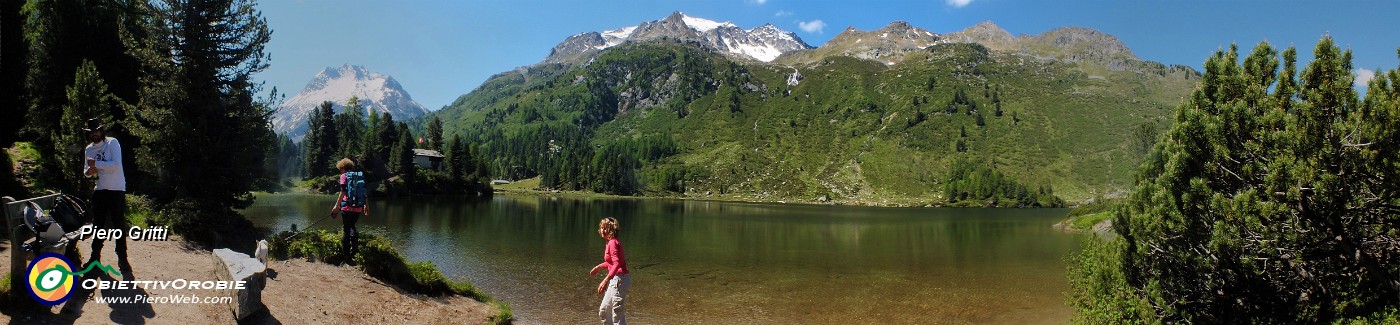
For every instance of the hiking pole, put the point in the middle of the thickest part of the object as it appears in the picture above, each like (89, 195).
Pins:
(303, 230)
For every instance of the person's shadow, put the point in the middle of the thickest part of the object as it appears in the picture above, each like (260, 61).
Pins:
(79, 297)
(129, 312)
(132, 312)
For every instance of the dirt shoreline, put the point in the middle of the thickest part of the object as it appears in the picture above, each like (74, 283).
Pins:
(297, 292)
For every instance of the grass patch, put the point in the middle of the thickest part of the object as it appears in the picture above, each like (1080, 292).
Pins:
(8, 184)
(1087, 222)
(25, 151)
(5, 287)
(378, 258)
(503, 313)
(24, 173)
(524, 184)
(1086, 216)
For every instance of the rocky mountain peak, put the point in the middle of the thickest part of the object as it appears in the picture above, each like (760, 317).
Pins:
(763, 43)
(887, 44)
(376, 92)
(988, 34)
(898, 25)
(1080, 37)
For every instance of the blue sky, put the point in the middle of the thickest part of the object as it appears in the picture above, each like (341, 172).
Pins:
(439, 50)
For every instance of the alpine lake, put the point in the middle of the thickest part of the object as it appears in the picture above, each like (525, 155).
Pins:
(711, 262)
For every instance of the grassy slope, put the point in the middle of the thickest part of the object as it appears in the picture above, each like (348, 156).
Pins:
(843, 131)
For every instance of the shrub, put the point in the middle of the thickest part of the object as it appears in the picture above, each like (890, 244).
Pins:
(1390, 315)
(318, 245)
(378, 258)
(1099, 291)
(1260, 206)
(322, 184)
(139, 210)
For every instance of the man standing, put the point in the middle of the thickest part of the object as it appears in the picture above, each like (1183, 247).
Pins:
(104, 160)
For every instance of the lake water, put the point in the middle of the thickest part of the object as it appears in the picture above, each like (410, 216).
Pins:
(727, 262)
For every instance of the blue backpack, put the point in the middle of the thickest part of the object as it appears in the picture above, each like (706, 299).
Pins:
(354, 190)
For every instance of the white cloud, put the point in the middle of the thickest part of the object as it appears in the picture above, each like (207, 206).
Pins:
(1363, 77)
(814, 26)
(783, 13)
(959, 3)
(759, 2)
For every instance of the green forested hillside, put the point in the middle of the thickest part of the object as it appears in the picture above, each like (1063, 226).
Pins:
(857, 131)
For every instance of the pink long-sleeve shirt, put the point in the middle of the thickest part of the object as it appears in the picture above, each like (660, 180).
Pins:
(613, 259)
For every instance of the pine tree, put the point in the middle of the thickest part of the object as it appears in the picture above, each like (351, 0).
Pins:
(87, 98)
(385, 140)
(1259, 207)
(1144, 135)
(321, 141)
(733, 103)
(204, 134)
(289, 158)
(369, 157)
(350, 129)
(59, 37)
(403, 155)
(434, 131)
(456, 157)
(614, 169)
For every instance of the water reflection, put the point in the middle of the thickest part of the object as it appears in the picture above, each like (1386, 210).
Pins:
(724, 262)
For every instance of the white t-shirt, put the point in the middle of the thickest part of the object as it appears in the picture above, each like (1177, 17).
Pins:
(108, 156)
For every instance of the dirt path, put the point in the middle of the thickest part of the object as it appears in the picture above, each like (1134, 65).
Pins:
(297, 292)
(321, 293)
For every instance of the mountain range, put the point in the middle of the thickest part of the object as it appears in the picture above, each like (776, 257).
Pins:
(375, 91)
(762, 43)
(870, 117)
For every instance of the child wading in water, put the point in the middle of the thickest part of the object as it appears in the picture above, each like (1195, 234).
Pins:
(616, 282)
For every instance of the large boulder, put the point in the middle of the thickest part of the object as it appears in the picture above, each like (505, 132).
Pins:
(235, 266)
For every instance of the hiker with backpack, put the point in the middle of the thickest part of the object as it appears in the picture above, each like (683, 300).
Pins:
(351, 205)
